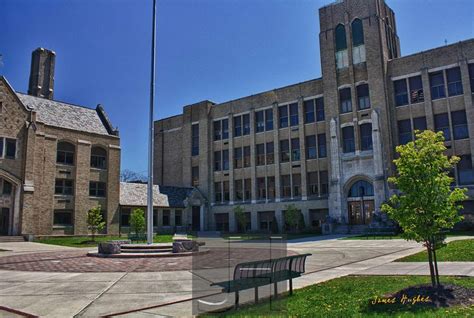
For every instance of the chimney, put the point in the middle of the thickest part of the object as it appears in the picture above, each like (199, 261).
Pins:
(42, 73)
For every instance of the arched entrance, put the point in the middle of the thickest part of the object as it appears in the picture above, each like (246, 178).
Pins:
(9, 204)
(360, 200)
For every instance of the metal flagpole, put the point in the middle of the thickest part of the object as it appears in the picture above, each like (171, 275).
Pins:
(151, 134)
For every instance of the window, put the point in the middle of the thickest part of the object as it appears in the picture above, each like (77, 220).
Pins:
(358, 48)
(62, 218)
(225, 159)
(365, 136)
(419, 123)
(283, 116)
(322, 153)
(319, 109)
(246, 124)
(348, 142)
(261, 189)
(195, 176)
(125, 217)
(195, 140)
(270, 153)
(178, 217)
(345, 100)
(260, 151)
(217, 130)
(217, 160)
(221, 129)
(285, 186)
(65, 153)
(270, 188)
(416, 89)
(247, 189)
(312, 182)
(296, 182)
(217, 191)
(10, 148)
(465, 170)
(295, 149)
(247, 156)
(311, 147)
(222, 222)
(284, 151)
(401, 93)
(309, 116)
(404, 131)
(7, 188)
(238, 162)
(269, 119)
(259, 121)
(225, 128)
(341, 47)
(453, 76)
(293, 114)
(324, 183)
(1, 147)
(98, 158)
(363, 99)
(238, 190)
(96, 189)
(360, 189)
(226, 188)
(166, 217)
(442, 124)
(459, 122)
(63, 187)
(237, 126)
(437, 85)
(471, 76)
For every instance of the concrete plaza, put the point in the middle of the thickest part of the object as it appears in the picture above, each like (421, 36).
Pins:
(167, 290)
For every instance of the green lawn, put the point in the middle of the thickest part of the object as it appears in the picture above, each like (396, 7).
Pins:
(456, 251)
(81, 241)
(350, 297)
(398, 236)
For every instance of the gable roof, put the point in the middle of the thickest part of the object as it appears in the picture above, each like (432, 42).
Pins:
(135, 194)
(64, 115)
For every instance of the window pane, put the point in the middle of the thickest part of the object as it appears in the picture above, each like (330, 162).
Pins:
(471, 76)
(312, 182)
(345, 100)
(416, 89)
(296, 184)
(259, 121)
(195, 140)
(225, 129)
(404, 131)
(453, 76)
(320, 109)
(401, 94)
(260, 152)
(217, 160)
(459, 121)
(285, 150)
(465, 170)
(10, 151)
(294, 114)
(366, 136)
(442, 124)
(269, 119)
(363, 96)
(270, 153)
(225, 159)
(217, 130)
(62, 218)
(238, 160)
(437, 85)
(246, 124)
(323, 182)
(1, 147)
(283, 116)
(357, 33)
(341, 43)
(322, 146)
(237, 126)
(295, 149)
(419, 123)
(247, 156)
(348, 139)
(311, 147)
(309, 111)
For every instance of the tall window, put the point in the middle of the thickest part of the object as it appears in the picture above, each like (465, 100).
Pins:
(225, 128)
(221, 129)
(404, 131)
(319, 109)
(178, 218)
(441, 122)
(311, 147)
(323, 183)
(217, 160)
(269, 119)
(260, 153)
(416, 89)
(459, 122)
(7, 188)
(365, 137)
(345, 100)
(312, 182)
(259, 121)
(218, 191)
(166, 217)
(97, 189)
(471, 76)
(65, 153)
(64, 187)
(261, 189)
(358, 48)
(419, 123)
(341, 47)
(283, 116)
(437, 85)
(226, 190)
(217, 130)
(401, 93)
(238, 158)
(296, 184)
(309, 116)
(237, 126)
(453, 76)
(285, 186)
(247, 189)
(195, 140)
(284, 150)
(246, 124)
(363, 99)
(225, 159)
(322, 153)
(348, 142)
(465, 170)
(295, 149)
(195, 176)
(270, 155)
(98, 158)
(63, 218)
(293, 114)
(246, 156)
(7, 148)
(238, 190)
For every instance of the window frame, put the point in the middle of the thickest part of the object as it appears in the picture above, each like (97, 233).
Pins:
(345, 105)
(97, 189)
(66, 189)
(348, 144)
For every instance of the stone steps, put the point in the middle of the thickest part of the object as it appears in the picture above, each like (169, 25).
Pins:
(161, 250)
(8, 239)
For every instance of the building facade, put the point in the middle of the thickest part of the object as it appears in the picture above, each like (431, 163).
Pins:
(326, 145)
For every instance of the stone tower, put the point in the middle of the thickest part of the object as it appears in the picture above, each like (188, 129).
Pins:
(357, 39)
(42, 73)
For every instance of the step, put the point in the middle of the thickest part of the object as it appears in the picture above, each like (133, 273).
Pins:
(8, 239)
(145, 246)
(168, 250)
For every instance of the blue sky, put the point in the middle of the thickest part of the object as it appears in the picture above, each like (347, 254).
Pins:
(206, 49)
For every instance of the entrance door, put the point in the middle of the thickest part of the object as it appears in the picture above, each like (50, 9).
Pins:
(196, 219)
(4, 218)
(357, 215)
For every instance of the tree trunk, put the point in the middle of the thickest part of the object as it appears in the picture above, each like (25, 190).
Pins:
(435, 262)
(430, 261)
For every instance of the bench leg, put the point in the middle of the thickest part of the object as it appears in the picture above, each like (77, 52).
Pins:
(291, 286)
(256, 295)
(236, 305)
(276, 289)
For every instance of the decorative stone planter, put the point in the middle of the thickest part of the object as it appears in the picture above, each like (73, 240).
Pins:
(183, 246)
(111, 247)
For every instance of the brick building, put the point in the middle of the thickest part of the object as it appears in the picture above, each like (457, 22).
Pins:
(325, 145)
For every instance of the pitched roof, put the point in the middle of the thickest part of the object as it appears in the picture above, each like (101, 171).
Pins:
(135, 194)
(64, 115)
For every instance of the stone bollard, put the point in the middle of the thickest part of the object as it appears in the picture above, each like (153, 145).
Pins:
(184, 246)
(111, 247)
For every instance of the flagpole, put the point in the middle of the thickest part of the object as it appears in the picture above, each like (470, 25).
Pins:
(151, 134)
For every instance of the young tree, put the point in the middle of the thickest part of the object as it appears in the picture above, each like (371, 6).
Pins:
(240, 217)
(426, 206)
(137, 222)
(95, 223)
(292, 217)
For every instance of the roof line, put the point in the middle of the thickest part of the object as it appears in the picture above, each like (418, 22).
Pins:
(57, 101)
(432, 49)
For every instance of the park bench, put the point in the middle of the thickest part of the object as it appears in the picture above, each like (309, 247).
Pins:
(380, 231)
(260, 273)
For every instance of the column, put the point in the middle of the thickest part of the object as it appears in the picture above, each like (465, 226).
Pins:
(335, 208)
(202, 219)
(253, 165)
(276, 146)
(301, 130)
(231, 161)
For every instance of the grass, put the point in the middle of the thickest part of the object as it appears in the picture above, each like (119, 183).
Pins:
(350, 297)
(398, 236)
(456, 251)
(82, 241)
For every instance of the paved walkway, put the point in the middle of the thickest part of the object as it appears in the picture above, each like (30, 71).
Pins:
(59, 294)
